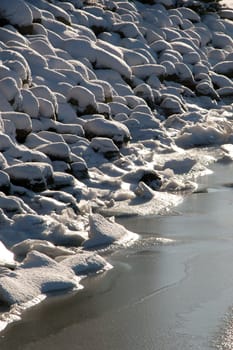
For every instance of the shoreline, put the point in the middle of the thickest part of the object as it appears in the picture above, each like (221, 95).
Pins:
(130, 300)
(10, 316)
(105, 111)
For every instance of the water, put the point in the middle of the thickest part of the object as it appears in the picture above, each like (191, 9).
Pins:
(162, 294)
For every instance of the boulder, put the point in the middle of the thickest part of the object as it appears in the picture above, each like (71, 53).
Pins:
(33, 175)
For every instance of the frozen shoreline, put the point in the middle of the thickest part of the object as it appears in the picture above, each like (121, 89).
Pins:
(106, 109)
(148, 206)
(142, 294)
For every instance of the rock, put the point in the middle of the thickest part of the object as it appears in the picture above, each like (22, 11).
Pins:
(205, 88)
(4, 182)
(144, 191)
(114, 130)
(83, 99)
(79, 169)
(225, 68)
(150, 177)
(22, 123)
(172, 105)
(56, 151)
(105, 146)
(34, 176)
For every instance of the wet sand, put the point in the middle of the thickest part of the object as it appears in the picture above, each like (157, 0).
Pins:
(161, 295)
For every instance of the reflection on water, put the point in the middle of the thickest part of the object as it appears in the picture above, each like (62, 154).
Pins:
(224, 338)
(170, 290)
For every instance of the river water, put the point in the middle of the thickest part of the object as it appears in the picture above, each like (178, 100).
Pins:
(172, 290)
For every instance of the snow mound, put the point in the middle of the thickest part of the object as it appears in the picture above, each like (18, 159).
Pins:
(6, 257)
(23, 248)
(114, 130)
(103, 232)
(38, 274)
(86, 263)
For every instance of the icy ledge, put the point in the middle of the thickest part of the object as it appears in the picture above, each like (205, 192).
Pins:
(46, 268)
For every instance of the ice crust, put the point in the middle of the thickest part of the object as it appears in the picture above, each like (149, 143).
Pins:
(106, 109)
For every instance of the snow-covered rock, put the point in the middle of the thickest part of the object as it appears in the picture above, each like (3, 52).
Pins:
(105, 146)
(56, 151)
(35, 176)
(224, 68)
(22, 123)
(146, 70)
(4, 182)
(79, 169)
(85, 263)
(172, 105)
(23, 248)
(83, 98)
(29, 104)
(17, 13)
(38, 274)
(103, 232)
(6, 257)
(114, 130)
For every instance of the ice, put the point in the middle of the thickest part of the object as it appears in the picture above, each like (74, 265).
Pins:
(103, 232)
(86, 263)
(23, 248)
(102, 109)
(200, 135)
(182, 166)
(38, 274)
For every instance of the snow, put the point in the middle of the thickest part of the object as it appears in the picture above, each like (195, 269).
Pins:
(86, 263)
(6, 257)
(224, 68)
(102, 107)
(38, 274)
(21, 121)
(107, 128)
(31, 174)
(23, 248)
(16, 12)
(103, 232)
(105, 146)
(82, 97)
